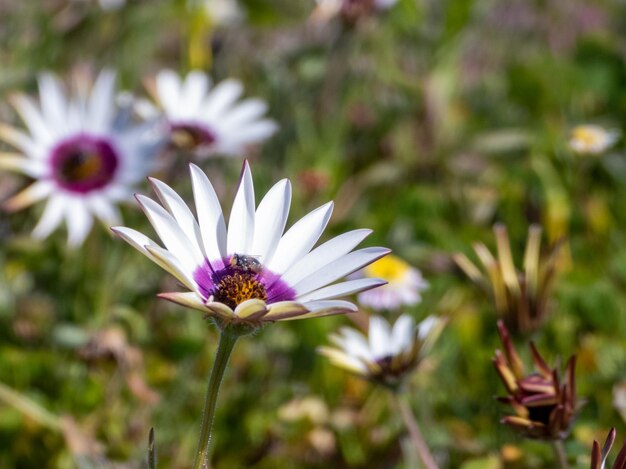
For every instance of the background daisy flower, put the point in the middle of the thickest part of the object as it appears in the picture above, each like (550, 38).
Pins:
(404, 284)
(349, 10)
(208, 118)
(592, 139)
(387, 354)
(83, 151)
(250, 272)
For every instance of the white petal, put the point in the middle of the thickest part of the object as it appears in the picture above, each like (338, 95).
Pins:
(101, 102)
(193, 90)
(241, 220)
(255, 132)
(271, 217)
(168, 87)
(251, 309)
(325, 308)
(300, 238)
(136, 239)
(354, 343)
(381, 343)
(210, 217)
(339, 268)
(106, 211)
(170, 233)
(170, 263)
(51, 218)
(343, 360)
(17, 162)
(324, 254)
(34, 193)
(222, 97)
(31, 116)
(246, 111)
(426, 326)
(402, 334)
(19, 140)
(53, 102)
(79, 222)
(186, 299)
(179, 210)
(342, 289)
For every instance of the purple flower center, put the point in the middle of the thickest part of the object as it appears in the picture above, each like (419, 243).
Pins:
(235, 279)
(84, 163)
(189, 135)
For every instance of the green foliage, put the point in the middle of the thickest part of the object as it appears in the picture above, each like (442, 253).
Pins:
(427, 123)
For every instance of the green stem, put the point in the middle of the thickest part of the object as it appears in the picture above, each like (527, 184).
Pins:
(224, 349)
(417, 439)
(560, 454)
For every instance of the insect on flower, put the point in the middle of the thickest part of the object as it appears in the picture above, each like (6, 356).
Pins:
(251, 273)
(246, 263)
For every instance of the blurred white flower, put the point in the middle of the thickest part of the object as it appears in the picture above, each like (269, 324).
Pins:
(404, 285)
(592, 139)
(83, 151)
(251, 273)
(350, 10)
(388, 354)
(209, 119)
(223, 12)
(111, 4)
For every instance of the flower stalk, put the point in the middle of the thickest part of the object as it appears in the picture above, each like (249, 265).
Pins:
(224, 349)
(417, 438)
(521, 296)
(560, 454)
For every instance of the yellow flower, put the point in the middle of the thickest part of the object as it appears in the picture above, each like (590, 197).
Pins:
(404, 284)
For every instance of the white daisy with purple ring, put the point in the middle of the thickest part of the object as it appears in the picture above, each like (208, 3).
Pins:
(84, 152)
(208, 119)
(251, 272)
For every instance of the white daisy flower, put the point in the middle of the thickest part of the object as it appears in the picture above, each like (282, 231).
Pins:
(209, 119)
(250, 272)
(223, 12)
(388, 354)
(592, 139)
(404, 285)
(350, 10)
(111, 4)
(83, 151)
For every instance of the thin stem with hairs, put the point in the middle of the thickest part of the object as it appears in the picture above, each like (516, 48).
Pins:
(417, 438)
(560, 454)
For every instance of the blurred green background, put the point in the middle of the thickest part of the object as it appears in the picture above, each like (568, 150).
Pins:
(427, 123)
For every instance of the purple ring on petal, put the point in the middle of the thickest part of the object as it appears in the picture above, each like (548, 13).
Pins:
(84, 163)
(232, 285)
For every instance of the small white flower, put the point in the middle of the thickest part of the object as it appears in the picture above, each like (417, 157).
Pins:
(111, 4)
(592, 139)
(350, 9)
(251, 272)
(83, 151)
(209, 119)
(223, 12)
(403, 288)
(388, 354)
